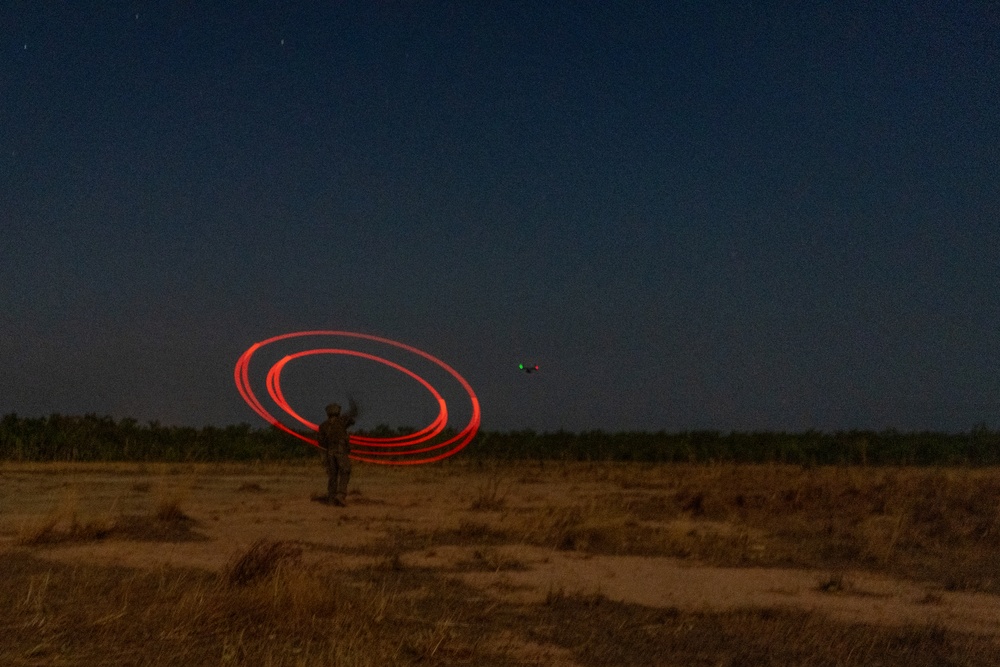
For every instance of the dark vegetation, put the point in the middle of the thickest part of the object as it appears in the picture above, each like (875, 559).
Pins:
(96, 438)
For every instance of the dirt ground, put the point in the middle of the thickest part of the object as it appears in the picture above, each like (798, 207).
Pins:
(490, 527)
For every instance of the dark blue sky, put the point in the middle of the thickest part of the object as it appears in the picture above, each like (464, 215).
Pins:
(701, 216)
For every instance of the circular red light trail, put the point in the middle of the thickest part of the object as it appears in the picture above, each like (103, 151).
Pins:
(398, 450)
(274, 389)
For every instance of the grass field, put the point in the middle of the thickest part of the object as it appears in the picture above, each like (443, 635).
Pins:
(482, 564)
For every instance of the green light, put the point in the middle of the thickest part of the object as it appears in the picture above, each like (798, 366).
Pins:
(521, 366)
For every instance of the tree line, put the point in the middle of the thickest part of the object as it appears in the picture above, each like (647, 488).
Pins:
(977, 447)
(102, 438)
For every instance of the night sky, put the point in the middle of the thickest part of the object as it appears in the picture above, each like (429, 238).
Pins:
(690, 215)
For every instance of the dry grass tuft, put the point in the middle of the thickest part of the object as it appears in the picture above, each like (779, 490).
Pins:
(47, 530)
(558, 596)
(250, 487)
(42, 532)
(492, 560)
(434, 645)
(489, 496)
(834, 583)
(931, 597)
(474, 531)
(169, 510)
(594, 527)
(261, 561)
(167, 523)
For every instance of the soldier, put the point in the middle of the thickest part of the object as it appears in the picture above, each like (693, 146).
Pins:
(336, 457)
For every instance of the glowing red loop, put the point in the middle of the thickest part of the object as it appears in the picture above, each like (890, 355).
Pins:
(398, 450)
(274, 389)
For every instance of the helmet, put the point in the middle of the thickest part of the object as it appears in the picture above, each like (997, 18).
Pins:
(333, 410)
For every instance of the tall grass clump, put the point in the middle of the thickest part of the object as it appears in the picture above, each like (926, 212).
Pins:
(167, 522)
(261, 561)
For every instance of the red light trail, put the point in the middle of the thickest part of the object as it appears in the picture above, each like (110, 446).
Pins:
(397, 450)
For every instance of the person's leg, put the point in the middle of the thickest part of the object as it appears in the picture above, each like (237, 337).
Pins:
(331, 483)
(343, 476)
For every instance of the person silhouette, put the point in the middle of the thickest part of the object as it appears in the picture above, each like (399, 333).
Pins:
(336, 444)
